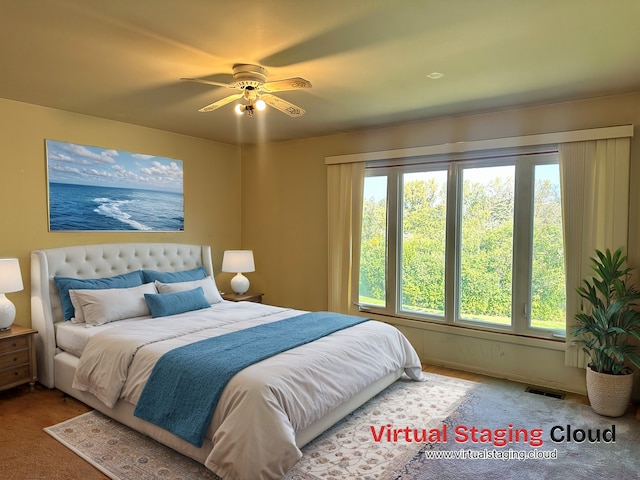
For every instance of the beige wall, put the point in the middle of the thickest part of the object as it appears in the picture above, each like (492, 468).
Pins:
(212, 179)
(284, 219)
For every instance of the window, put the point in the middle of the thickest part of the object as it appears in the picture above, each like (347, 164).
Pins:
(470, 242)
(373, 242)
(547, 296)
(486, 244)
(424, 218)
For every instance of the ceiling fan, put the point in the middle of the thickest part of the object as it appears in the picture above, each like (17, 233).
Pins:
(255, 92)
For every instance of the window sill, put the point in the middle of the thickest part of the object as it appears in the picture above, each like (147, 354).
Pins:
(555, 343)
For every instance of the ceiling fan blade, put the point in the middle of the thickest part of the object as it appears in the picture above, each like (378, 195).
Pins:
(286, 84)
(209, 82)
(221, 103)
(282, 105)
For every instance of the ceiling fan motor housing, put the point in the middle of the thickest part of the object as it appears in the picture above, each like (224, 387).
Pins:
(248, 76)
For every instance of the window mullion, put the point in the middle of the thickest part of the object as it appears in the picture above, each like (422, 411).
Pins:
(454, 214)
(522, 245)
(393, 242)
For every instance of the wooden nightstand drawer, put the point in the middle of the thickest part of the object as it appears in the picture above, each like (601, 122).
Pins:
(13, 343)
(17, 357)
(12, 359)
(15, 376)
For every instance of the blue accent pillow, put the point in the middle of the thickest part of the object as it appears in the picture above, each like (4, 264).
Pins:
(163, 304)
(173, 277)
(64, 284)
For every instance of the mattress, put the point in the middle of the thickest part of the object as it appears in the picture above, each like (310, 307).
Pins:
(73, 337)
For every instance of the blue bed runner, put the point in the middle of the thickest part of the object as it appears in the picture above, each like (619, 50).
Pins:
(186, 383)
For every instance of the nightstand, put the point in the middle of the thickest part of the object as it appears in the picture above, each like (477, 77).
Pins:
(243, 297)
(17, 357)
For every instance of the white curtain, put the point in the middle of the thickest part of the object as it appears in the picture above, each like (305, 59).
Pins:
(345, 184)
(594, 178)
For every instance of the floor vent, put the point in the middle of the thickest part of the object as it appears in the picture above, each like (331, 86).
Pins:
(545, 393)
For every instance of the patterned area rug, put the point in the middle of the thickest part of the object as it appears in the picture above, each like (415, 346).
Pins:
(344, 451)
(123, 454)
(440, 429)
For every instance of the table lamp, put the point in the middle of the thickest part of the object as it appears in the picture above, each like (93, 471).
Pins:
(238, 262)
(10, 281)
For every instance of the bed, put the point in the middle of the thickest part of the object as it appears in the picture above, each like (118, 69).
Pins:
(271, 408)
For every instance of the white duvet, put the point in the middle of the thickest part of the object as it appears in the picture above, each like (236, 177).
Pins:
(264, 405)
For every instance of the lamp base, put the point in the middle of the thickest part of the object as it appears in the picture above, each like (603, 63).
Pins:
(240, 284)
(7, 313)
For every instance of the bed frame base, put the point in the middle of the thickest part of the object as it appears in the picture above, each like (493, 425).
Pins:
(65, 365)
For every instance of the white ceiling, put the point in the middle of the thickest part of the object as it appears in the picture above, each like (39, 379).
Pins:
(368, 60)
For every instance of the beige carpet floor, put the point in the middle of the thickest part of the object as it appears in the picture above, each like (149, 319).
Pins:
(27, 452)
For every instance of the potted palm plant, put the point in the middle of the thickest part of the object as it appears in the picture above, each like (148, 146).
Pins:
(606, 329)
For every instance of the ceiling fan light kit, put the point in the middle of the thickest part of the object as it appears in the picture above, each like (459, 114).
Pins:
(241, 108)
(255, 91)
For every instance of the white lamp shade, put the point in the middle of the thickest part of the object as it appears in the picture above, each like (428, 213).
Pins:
(10, 277)
(238, 261)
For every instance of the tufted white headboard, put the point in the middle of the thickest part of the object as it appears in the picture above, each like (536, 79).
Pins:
(95, 261)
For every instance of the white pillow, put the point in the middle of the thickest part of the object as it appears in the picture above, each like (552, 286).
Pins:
(78, 316)
(110, 304)
(208, 285)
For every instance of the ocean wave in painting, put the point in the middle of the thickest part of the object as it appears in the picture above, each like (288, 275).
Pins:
(85, 207)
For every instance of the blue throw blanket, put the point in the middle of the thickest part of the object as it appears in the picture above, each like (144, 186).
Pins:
(186, 383)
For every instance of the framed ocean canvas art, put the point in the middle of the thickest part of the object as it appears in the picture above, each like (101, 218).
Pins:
(100, 189)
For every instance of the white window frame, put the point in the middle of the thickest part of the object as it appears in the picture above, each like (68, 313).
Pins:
(524, 160)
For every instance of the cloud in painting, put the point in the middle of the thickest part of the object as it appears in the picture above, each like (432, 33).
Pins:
(86, 165)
